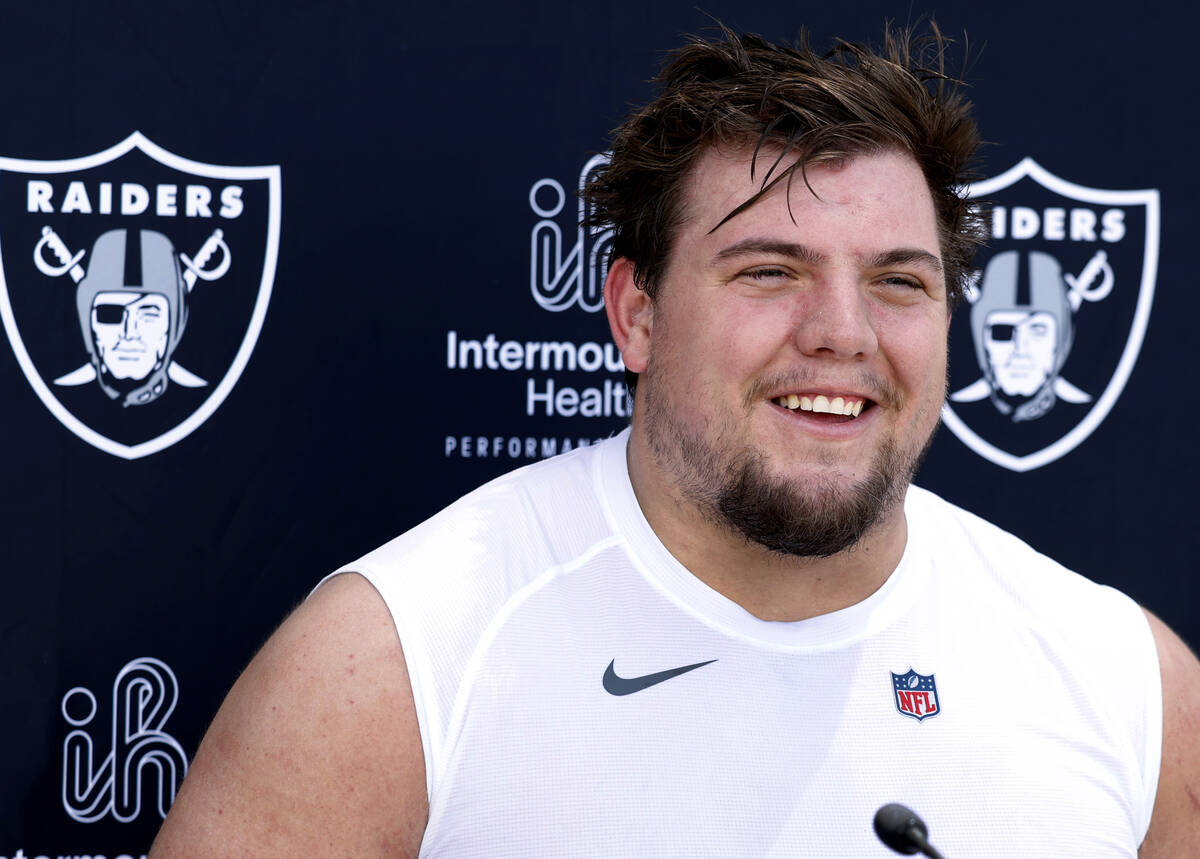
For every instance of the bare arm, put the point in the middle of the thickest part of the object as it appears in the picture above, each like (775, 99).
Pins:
(1175, 827)
(315, 749)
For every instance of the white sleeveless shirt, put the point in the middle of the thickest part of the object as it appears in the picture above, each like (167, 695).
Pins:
(1011, 703)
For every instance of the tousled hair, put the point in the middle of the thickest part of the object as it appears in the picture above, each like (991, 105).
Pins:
(741, 90)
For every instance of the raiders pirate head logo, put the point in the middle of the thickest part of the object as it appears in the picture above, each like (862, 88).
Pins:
(132, 307)
(1034, 365)
(124, 253)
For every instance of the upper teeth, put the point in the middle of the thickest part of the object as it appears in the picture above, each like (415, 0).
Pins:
(821, 403)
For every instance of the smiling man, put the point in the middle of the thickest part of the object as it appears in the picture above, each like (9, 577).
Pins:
(735, 629)
(830, 318)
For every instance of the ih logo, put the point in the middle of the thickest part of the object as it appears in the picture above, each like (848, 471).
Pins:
(142, 757)
(561, 276)
(108, 261)
(916, 694)
(1053, 326)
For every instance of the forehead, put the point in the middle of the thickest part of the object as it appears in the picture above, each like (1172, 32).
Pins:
(868, 201)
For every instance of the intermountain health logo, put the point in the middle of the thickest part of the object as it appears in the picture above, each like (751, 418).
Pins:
(1052, 327)
(133, 286)
(560, 274)
(111, 766)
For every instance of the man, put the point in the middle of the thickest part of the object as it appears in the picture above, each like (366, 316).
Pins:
(734, 629)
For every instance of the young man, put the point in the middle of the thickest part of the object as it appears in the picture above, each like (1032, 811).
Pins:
(735, 629)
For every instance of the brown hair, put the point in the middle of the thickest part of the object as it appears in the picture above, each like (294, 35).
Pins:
(743, 89)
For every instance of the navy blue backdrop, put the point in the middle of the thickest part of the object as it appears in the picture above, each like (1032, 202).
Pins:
(395, 305)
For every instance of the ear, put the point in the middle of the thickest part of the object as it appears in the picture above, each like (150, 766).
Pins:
(630, 314)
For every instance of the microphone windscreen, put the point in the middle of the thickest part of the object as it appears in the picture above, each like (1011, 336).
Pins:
(893, 825)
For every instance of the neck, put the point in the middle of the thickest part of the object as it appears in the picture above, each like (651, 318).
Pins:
(769, 585)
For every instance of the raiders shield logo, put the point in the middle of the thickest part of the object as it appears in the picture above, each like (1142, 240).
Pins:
(1049, 333)
(133, 286)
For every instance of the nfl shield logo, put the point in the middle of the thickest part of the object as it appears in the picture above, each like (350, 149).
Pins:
(133, 286)
(1052, 327)
(916, 694)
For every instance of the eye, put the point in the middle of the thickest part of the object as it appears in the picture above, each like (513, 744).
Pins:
(766, 273)
(768, 276)
(903, 280)
(907, 288)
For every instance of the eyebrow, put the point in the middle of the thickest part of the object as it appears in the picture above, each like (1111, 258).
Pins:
(906, 256)
(748, 247)
(884, 259)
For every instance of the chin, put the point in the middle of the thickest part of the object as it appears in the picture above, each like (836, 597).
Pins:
(811, 517)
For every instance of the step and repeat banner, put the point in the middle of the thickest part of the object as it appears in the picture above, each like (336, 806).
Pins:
(279, 280)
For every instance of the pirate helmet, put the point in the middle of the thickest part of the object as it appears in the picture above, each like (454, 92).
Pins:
(142, 262)
(1038, 287)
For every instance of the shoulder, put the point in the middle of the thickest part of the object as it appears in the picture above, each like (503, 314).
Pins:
(317, 741)
(1104, 635)
(957, 524)
(1095, 628)
(975, 544)
(1175, 825)
(452, 574)
(532, 514)
(959, 529)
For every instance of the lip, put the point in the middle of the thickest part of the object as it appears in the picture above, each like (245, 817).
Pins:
(825, 391)
(826, 427)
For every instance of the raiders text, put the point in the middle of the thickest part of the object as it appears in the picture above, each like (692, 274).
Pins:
(196, 201)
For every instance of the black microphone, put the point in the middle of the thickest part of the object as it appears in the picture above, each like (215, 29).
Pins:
(900, 828)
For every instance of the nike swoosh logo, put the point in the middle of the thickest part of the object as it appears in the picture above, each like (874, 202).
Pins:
(615, 685)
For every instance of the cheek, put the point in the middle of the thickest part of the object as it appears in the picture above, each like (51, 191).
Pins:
(919, 357)
(687, 341)
(704, 357)
(751, 334)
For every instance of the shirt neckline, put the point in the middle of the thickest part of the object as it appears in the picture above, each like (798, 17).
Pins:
(663, 571)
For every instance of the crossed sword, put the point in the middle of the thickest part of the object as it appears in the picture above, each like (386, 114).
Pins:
(69, 264)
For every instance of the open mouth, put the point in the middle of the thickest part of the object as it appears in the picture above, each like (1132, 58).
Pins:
(846, 406)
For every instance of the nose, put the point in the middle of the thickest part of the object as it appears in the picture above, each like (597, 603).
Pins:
(833, 320)
(129, 325)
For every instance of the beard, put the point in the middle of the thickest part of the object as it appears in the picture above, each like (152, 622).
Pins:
(732, 486)
(822, 520)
